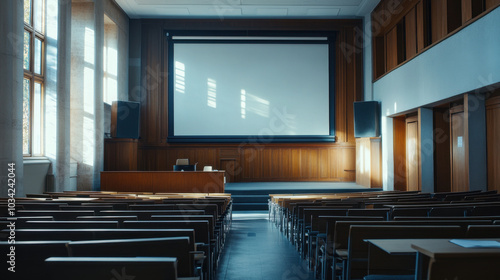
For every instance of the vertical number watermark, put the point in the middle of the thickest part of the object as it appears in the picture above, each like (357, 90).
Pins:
(11, 183)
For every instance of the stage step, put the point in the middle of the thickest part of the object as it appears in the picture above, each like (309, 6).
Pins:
(249, 206)
(242, 198)
(249, 202)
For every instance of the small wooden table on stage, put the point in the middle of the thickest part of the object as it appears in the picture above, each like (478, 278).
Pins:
(163, 181)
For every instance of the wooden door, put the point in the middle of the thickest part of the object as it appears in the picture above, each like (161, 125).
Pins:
(459, 178)
(399, 151)
(412, 158)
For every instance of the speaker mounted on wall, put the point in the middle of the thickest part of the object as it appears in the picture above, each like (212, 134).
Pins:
(366, 119)
(125, 119)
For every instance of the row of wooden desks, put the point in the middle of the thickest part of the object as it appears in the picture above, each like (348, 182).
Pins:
(439, 258)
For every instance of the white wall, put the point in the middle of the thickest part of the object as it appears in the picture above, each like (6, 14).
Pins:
(462, 63)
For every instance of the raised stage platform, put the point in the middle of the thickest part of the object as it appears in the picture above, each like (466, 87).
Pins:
(255, 195)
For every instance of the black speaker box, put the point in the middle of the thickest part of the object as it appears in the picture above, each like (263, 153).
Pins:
(125, 119)
(366, 119)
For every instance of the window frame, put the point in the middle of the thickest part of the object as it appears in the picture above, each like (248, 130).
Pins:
(35, 78)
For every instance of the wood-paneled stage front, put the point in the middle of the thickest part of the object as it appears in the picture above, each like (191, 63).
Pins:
(163, 181)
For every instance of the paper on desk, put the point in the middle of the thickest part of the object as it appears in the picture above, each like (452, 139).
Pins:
(467, 243)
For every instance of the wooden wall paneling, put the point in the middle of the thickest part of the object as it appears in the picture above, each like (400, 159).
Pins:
(349, 164)
(358, 94)
(493, 142)
(340, 89)
(231, 168)
(391, 53)
(422, 25)
(490, 4)
(336, 166)
(378, 56)
(459, 176)
(348, 67)
(324, 163)
(286, 163)
(120, 154)
(163, 65)
(267, 163)
(442, 168)
(411, 33)
(296, 171)
(229, 160)
(401, 44)
(399, 153)
(439, 20)
(368, 162)
(362, 162)
(467, 10)
(412, 154)
(453, 14)
(304, 163)
(477, 8)
(313, 162)
(251, 163)
(376, 163)
(152, 84)
(206, 157)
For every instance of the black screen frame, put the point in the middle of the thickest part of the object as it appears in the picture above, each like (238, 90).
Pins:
(290, 35)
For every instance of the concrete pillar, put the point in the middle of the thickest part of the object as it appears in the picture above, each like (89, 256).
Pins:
(98, 97)
(475, 141)
(426, 145)
(62, 164)
(134, 70)
(82, 93)
(11, 94)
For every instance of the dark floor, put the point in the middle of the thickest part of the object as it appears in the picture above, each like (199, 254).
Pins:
(256, 249)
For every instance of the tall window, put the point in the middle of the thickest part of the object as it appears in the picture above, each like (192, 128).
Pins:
(33, 63)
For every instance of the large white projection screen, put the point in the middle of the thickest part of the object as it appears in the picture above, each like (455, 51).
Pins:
(251, 89)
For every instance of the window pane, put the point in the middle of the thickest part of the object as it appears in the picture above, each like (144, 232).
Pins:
(26, 116)
(37, 119)
(27, 11)
(38, 56)
(38, 15)
(27, 41)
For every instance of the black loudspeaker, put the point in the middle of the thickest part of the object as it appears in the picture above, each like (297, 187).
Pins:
(366, 119)
(125, 119)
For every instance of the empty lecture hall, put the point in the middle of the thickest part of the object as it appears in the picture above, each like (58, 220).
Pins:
(250, 139)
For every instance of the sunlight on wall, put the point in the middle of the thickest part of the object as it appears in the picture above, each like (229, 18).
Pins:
(258, 105)
(50, 86)
(89, 48)
(110, 61)
(212, 93)
(180, 73)
(362, 158)
(88, 117)
(243, 104)
(88, 99)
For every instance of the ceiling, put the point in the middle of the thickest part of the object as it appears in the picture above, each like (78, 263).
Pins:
(247, 8)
